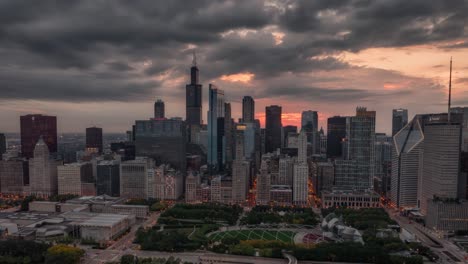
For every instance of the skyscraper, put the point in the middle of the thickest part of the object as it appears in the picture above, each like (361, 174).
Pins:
(2, 145)
(336, 132)
(35, 126)
(248, 109)
(273, 128)
(240, 169)
(163, 140)
(216, 110)
(193, 97)
(406, 159)
(441, 162)
(309, 123)
(360, 135)
(108, 178)
(399, 119)
(42, 171)
(229, 135)
(94, 139)
(159, 109)
(263, 184)
(14, 175)
(301, 172)
(310, 117)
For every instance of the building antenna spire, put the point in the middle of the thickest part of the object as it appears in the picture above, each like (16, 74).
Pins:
(194, 60)
(450, 91)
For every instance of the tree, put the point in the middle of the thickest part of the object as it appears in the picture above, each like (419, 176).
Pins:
(59, 254)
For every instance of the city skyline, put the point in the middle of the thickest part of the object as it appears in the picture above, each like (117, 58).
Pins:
(301, 55)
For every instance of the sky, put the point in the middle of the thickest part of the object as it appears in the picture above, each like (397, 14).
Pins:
(104, 63)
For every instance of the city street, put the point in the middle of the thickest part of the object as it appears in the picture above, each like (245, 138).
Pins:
(427, 238)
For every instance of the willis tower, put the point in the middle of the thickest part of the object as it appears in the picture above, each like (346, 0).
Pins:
(193, 100)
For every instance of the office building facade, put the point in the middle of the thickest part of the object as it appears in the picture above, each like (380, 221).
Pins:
(336, 133)
(42, 171)
(94, 140)
(159, 109)
(215, 112)
(248, 109)
(273, 128)
(35, 126)
(399, 120)
(108, 178)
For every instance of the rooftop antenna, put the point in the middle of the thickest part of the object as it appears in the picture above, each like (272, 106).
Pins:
(450, 91)
(194, 61)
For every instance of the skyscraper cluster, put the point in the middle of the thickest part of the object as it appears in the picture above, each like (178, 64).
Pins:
(422, 165)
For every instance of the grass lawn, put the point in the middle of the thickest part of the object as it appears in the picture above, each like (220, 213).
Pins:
(283, 236)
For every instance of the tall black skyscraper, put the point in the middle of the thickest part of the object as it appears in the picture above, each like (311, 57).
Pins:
(94, 139)
(193, 97)
(159, 109)
(273, 128)
(336, 132)
(399, 119)
(248, 109)
(2, 145)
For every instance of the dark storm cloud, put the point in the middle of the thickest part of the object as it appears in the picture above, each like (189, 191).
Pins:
(94, 50)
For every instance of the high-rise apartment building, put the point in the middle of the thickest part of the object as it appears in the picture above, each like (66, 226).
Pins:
(76, 178)
(35, 126)
(336, 133)
(215, 112)
(193, 98)
(159, 109)
(360, 137)
(108, 178)
(42, 171)
(162, 140)
(248, 109)
(134, 178)
(94, 140)
(273, 127)
(407, 156)
(399, 119)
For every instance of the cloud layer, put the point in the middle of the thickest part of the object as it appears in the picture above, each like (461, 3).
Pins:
(61, 53)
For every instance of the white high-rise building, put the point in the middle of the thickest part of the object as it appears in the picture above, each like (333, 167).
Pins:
(407, 152)
(42, 171)
(75, 178)
(167, 183)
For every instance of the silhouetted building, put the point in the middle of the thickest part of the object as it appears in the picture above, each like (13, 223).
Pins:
(273, 127)
(94, 139)
(399, 119)
(336, 132)
(126, 150)
(2, 145)
(229, 135)
(193, 98)
(35, 126)
(159, 109)
(248, 109)
(162, 140)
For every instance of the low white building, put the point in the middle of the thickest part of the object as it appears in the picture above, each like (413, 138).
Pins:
(105, 227)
